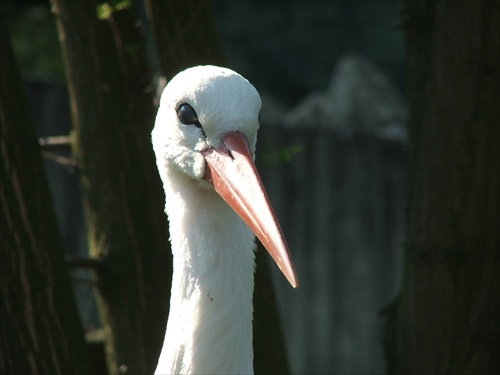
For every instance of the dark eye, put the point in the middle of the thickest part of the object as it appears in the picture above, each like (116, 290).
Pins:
(187, 115)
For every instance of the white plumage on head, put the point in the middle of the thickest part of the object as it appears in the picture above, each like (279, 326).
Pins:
(223, 100)
(204, 140)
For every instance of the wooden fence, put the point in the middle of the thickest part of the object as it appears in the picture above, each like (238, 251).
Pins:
(341, 205)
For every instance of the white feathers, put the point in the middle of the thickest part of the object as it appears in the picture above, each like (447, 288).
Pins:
(223, 100)
(210, 323)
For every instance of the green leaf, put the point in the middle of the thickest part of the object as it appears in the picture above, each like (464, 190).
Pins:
(105, 10)
(272, 158)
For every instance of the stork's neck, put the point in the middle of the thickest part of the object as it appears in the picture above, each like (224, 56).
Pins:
(209, 327)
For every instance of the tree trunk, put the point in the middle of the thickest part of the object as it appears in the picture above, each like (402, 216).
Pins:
(185, 34)
(113, 113)
(41, 331)
(269, 349)
(446, 318)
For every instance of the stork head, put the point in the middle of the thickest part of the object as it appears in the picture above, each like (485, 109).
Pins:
(206, 129)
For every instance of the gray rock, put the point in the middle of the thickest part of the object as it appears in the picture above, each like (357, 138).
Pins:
(360, 99)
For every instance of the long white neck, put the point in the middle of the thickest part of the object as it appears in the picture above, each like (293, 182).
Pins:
(209, 328)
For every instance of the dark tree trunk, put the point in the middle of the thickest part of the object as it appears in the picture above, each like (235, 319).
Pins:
(446, 318)
(268, 342)
(40, 327)
(185, 34)
(113, 113)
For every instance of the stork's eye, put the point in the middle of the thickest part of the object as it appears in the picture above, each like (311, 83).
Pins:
(187, 115)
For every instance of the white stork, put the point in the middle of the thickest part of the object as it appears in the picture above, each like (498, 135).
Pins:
(204, 140)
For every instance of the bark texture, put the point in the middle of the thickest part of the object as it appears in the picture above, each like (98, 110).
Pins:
(39, 324)
(113, 114)
(446, 319)
(185, 34)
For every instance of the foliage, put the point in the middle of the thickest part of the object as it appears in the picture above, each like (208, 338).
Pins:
(105, 10)
(34, 39)
(271, 159)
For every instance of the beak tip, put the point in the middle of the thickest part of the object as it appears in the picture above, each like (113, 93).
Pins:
(293, 280)
(288, 270)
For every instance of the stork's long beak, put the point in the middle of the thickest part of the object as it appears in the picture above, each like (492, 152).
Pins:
(231, 170)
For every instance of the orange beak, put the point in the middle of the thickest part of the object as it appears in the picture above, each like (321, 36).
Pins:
(231, 170)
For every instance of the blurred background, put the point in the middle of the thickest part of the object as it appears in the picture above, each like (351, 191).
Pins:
(331, 151)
